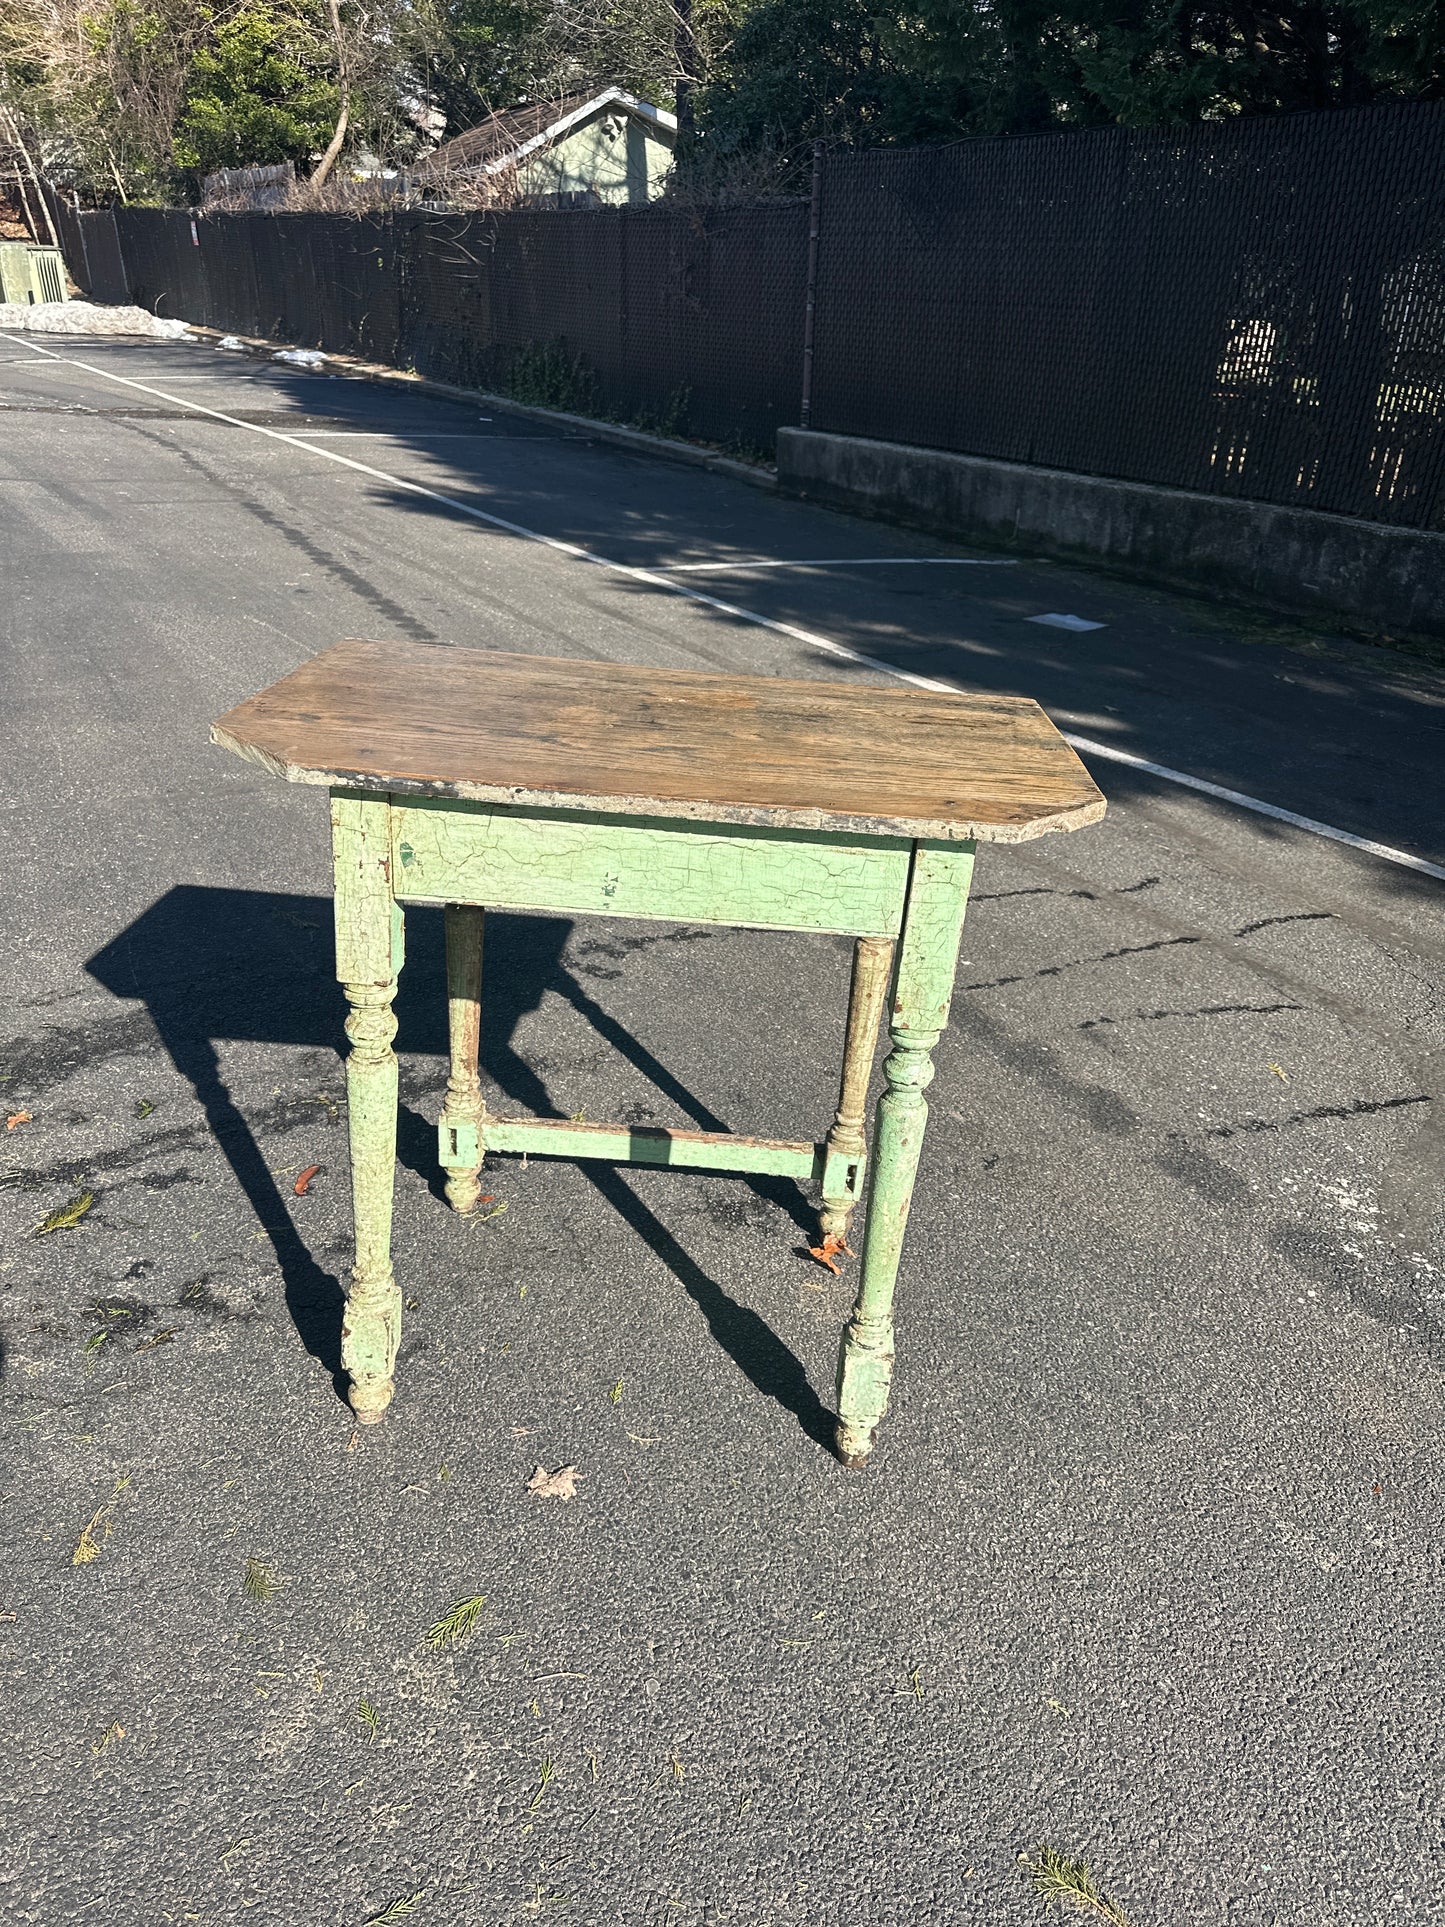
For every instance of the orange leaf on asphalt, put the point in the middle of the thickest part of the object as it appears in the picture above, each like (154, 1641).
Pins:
(305, 1178)
(827, 1252)
(17, 1118)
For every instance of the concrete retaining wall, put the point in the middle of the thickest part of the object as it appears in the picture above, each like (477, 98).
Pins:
(1330, 568)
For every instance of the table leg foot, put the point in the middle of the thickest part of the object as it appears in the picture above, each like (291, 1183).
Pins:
(370, 1331)
(865, 1378)
(463, 1189)
(833, 1220)
(369, 1400)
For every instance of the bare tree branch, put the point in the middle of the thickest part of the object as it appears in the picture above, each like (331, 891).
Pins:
(343, 81)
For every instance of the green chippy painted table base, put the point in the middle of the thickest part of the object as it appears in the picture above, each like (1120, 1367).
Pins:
(797, 880)
(746, 820)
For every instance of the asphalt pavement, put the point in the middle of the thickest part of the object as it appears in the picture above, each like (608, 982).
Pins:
(1147, 1565)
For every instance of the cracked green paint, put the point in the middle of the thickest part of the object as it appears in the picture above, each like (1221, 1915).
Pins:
(922, 992)
(575, 860)
(368, 958)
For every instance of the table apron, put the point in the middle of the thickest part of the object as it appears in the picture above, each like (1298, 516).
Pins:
(598, 865)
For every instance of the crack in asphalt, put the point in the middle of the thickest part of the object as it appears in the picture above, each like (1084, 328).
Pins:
(1204, 1010)
(1361, 1107)
(1054, 890)
(1107, 956)
(1298, 916)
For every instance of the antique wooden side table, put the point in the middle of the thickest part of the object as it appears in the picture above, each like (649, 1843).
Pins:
(472, 778)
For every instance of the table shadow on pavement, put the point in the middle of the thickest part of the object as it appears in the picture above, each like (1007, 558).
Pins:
(223, 965)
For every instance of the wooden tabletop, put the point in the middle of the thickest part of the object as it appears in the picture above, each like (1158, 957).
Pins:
(424, 719)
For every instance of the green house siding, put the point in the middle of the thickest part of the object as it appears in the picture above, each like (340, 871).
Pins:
(615, 157)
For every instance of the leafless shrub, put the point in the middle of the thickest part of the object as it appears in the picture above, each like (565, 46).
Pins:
(706, 176)
(344, 194)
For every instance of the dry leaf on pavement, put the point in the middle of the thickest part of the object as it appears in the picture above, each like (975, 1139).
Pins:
(299, 1187)
(87, 1547)
(827, 1252)
(561, 1484)
(16, 1119)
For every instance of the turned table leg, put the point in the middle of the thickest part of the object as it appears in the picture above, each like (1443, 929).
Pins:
(872, 962)
(371, 1326)
(463, 1118)
(368, 959)
(923, 990)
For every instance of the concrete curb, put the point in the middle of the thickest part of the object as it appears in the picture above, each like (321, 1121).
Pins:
(1383, 580)
(660, 447)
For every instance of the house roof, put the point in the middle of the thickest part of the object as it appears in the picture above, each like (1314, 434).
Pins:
(504, 139)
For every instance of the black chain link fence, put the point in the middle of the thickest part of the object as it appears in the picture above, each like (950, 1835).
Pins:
(686, 322)
(1254, 309)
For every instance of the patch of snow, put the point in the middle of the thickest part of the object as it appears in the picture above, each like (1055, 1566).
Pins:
(233, 342)
(301, 357)
(87, 318)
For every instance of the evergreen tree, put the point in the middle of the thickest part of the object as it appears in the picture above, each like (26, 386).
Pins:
(259, 93)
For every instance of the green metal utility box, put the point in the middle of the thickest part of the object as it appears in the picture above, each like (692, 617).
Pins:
(30, 274)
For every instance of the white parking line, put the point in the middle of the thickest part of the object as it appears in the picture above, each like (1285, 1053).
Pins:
(842, 562)
(1085, 745)
(390, 434)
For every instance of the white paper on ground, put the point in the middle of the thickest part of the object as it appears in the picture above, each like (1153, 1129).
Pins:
(1076, 623)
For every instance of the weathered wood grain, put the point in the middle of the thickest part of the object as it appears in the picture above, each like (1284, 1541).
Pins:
(872, 966)
(464, 1104)
(422, 719)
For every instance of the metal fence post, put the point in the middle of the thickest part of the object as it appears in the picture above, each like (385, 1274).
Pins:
(806, 411)
(128, 293)
(84, 250)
